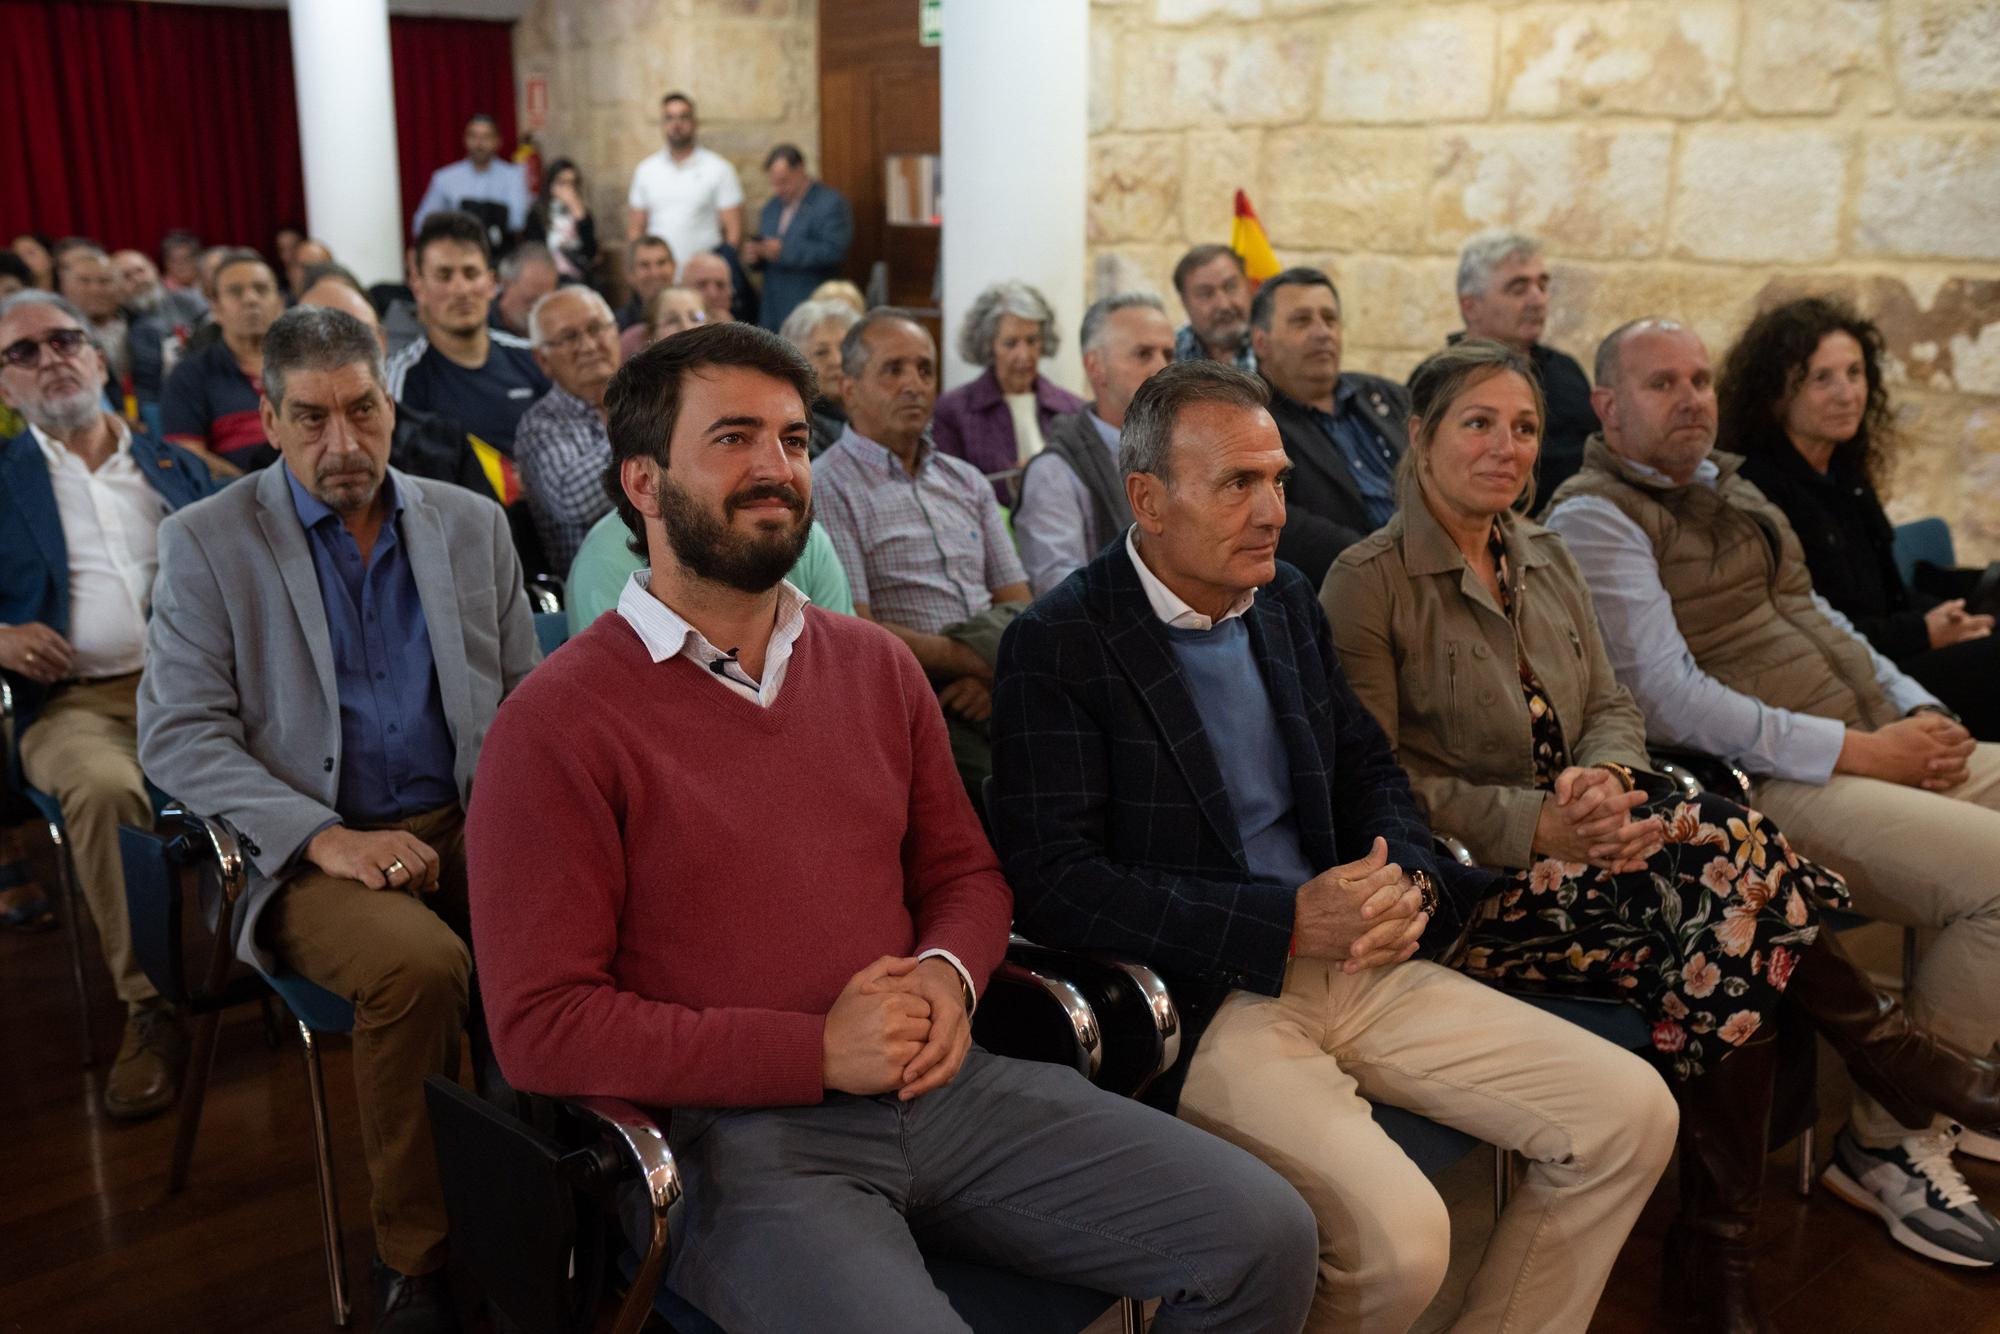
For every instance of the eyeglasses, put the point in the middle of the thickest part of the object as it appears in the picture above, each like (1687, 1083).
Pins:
(28, 351)
(567, 340)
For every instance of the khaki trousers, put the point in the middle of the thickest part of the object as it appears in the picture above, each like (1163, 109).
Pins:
(1290, 1079)
(404, 964)
(83, 750)
(1916, 858)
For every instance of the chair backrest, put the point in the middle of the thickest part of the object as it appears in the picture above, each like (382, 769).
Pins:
(552, 630)
(1923, 540)
(153, 903)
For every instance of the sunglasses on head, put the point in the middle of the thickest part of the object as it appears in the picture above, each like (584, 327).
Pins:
(28, 351)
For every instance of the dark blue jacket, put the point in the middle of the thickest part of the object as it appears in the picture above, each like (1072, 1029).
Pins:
(815, 247)
(1113, 824)
(34, 559)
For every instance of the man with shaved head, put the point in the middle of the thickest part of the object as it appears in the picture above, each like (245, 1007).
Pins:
(1712, 623)
(562, 448)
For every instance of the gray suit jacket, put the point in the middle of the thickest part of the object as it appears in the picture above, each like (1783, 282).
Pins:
(238, 714)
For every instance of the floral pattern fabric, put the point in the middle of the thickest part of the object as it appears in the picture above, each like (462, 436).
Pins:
(1703, 940)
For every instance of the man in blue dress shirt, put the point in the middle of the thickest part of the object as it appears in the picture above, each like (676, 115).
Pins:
(480, 183)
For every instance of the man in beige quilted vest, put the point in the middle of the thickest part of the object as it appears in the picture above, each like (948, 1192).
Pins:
(1712, 623)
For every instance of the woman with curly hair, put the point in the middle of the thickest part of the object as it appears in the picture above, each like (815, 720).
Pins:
(1801, 398)
(1469, 634)
(997, 422)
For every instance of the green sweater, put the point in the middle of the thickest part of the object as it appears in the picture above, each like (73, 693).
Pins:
(604, 563)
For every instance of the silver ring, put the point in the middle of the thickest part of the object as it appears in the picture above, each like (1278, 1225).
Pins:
(395, 866)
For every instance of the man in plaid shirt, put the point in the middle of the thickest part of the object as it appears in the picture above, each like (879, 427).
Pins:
(561, 447)
(926, 550)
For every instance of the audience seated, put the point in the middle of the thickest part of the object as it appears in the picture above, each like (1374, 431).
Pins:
(1072, 494)
(1001, 420)
(671, 310)
(684, 193)
(1503, 294)
(1183, 774)
(803, 235)
(1801, 398)
(210, 402)
(161, 320)
(403, 602)
(482, 184)
(423, 444)
(34, 252)
(85, 276)
(1520, 741)
(815, 328)
(526, 275)
(305, 256)
(1710, 620)
(1344, 432)
(560, 220)
(180, 264)
(14, 274)
(925, 548)
(461, 368)
(82, 495)
(707, 274)
(839, 289)
(801, 997)
(561, 449)
(651, 269)
(1215, 293)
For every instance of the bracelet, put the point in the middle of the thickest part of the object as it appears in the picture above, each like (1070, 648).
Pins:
(1621, 773)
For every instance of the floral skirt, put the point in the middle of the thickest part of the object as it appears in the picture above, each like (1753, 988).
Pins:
(1703, 940)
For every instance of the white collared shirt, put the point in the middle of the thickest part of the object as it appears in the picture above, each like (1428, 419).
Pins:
(111, 528)
(1167, 604)
(666, 634)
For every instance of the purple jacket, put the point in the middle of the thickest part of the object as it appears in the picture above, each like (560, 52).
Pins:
(972, 423)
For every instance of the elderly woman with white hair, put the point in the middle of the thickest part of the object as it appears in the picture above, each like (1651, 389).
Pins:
(815, 328)
(998, 422)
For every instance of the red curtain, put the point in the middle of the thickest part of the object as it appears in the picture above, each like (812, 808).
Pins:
(123, 120)
(446, 71)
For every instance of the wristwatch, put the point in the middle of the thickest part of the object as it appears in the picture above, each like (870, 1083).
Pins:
(1937, 709)
(1427, 890)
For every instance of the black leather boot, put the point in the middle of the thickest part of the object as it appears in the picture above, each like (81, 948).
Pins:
(1709, 1282)
(1914, 1075)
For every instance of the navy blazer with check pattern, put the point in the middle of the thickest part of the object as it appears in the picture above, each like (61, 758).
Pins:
(1110, 813)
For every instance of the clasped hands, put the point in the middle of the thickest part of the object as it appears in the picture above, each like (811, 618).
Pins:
(1361, 914)
(1588, 819)
(898, 1024)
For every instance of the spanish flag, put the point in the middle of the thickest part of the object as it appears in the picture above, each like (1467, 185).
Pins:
(1247, 239)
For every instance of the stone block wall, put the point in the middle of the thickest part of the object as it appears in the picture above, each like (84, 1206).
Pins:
(752, 67)
(1700, 159)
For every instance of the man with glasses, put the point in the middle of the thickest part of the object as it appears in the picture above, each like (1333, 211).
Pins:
(81, 500)
(562, 448)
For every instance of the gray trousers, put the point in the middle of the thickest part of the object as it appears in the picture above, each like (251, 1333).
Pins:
(819, 1217)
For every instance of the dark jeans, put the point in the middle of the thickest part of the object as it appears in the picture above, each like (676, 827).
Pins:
(819, 1217)
(1964, 676)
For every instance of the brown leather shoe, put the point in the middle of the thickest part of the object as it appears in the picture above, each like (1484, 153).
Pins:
(1710, 1275)
(146, 1076)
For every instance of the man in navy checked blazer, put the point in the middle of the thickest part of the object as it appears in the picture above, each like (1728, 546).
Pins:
(1183, 775)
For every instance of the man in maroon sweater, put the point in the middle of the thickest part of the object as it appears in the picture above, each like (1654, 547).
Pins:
(744, 883)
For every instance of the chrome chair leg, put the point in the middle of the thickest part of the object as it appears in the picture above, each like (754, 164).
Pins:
(73, 927)
(1503, 1178)
(329, 1204)
(1131, 1315)
(1808, 1160)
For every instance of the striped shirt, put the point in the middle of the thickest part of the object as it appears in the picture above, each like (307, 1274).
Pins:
(923, 552)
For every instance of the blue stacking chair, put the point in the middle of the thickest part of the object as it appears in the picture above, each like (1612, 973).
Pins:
(1927, 540)
(551, 630)
(158, 863)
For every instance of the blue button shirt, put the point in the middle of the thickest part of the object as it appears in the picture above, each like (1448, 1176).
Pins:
(396, 751)
(1371, 461)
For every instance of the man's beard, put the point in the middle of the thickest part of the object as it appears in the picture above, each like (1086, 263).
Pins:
(1225, 332)
(62, 415)
(350, 493)
(708, 548)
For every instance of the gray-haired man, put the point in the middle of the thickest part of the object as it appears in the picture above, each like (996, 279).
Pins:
(329, 643)
(1503, 293)
(561, 446)
(1072, 494)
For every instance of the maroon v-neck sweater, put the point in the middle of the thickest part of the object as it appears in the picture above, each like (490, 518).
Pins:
(671, 884)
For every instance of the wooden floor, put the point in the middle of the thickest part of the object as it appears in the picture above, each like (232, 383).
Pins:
(89, 1241)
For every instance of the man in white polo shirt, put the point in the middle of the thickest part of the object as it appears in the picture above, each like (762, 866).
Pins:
(684, 193)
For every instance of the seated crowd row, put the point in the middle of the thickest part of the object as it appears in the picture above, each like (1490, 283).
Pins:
(1266, 630)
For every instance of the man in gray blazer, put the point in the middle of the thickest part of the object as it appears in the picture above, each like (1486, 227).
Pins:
(329, 643)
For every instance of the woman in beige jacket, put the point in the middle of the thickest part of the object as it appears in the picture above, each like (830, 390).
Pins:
(1469, 634)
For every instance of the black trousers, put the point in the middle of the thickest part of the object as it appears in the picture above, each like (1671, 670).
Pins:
(1967, 678)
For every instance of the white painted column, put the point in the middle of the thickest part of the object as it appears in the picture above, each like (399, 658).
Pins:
(1015, 84)
(347, 133)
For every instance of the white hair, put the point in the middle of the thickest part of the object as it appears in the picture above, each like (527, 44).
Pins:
(1486, 252)
(982, 322)
(589, 294)
(807, 316)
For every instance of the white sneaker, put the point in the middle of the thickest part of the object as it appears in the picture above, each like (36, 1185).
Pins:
(1979, 1146)
(1914, 1189)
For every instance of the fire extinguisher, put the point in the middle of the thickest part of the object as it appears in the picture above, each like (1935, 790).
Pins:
(528, 157)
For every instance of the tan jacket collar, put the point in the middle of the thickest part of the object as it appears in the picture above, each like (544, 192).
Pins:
(1428, 548)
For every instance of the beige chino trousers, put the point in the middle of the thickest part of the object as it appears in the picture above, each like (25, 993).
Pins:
(1290, 1079)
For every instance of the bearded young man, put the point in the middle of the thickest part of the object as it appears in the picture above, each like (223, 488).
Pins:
(722, 864)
